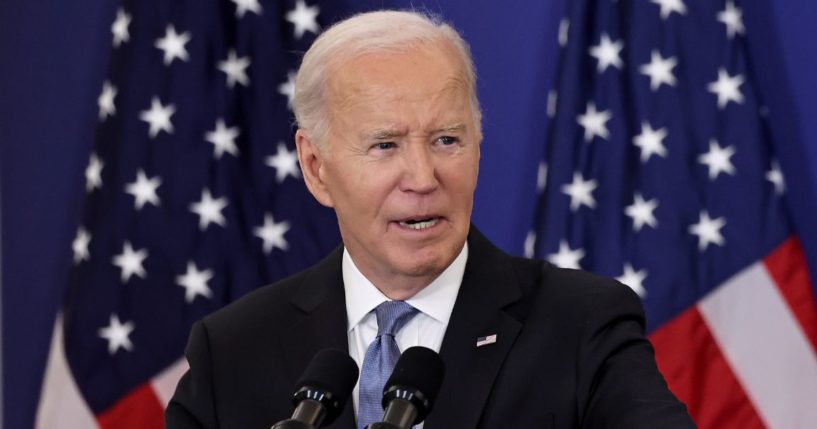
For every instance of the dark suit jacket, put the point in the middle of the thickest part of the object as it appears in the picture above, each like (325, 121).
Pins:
(570, 352)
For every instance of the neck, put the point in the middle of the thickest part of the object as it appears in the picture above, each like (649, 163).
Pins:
(395, 285)
(401, 289)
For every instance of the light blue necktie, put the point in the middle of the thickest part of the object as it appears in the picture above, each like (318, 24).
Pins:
(380, 359)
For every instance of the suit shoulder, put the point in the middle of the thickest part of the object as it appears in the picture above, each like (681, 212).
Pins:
(279, 301)
(570, 285)
(266, 304)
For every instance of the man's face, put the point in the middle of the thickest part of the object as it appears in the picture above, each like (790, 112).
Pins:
(400, 162)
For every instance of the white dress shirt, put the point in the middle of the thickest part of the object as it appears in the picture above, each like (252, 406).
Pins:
(435, 303)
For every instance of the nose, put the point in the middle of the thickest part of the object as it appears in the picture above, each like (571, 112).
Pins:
(420, 173)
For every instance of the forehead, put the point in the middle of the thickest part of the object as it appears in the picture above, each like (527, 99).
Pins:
(375, 81)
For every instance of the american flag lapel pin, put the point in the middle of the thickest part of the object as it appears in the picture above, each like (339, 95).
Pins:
(484, 341)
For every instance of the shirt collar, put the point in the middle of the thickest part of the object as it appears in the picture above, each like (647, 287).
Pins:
(435, 300)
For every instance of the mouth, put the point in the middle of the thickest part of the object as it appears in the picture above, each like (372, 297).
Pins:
(420, 223)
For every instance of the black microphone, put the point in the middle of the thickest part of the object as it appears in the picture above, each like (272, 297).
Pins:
(412, 388)
(322, 391)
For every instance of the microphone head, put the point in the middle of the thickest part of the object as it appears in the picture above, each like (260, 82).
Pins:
(417, 377)
(329, 379)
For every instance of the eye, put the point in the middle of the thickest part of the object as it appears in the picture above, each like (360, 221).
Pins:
(447, 140)
(384, 145)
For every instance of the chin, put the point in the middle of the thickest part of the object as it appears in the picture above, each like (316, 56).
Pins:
(422, 265)
(423, 270)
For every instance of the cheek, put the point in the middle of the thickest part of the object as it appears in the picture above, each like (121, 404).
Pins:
(463, 175)
(362, 193)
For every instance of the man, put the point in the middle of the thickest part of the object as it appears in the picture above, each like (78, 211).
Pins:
(389, 136)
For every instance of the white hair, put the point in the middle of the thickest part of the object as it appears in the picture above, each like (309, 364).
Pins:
(367, 33)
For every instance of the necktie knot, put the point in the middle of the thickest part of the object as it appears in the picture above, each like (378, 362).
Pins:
(392, 316)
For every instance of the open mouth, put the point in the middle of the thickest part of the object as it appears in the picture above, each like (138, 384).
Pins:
(418, 224)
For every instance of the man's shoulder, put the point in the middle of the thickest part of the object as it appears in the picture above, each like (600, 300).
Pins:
(536, 276)
(264, 304)
(274, 303)
(569, 290)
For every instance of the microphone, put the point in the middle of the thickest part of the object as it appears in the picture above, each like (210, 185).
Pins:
(412, 388)
(322, 391)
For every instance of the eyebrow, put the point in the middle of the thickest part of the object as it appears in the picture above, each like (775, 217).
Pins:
(454, 128)
(383, 134)
(390, 133)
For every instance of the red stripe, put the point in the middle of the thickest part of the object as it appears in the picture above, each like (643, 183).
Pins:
(787, 266)
(697, 373)
(140, 409)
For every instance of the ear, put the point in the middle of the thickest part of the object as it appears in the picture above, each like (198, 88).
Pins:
(312, 164)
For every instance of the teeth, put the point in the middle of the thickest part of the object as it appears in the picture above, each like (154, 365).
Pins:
(420, 225)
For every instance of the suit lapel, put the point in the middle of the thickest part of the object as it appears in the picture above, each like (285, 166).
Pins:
(488, 286)
(321, 323)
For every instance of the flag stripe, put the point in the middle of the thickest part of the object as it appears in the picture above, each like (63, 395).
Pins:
(61, 401)
(698, 374)
(165, 383)
(762, 341)
(138, 409)
(787, 266)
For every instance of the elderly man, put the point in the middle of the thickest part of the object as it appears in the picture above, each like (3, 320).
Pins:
(389, 136)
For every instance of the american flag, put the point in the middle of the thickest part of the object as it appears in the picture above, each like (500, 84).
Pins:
(660, 171)
(194, 197)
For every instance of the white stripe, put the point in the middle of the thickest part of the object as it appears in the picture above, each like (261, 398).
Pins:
(165, 383)
(61, 404)
(763, 343)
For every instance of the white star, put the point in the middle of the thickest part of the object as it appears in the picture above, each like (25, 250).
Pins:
(173, 45)
(659, 69)
(530, 243)
(564, 29)
(650, 142)
(144, 190)
(194, 282)
(669, 6)
(565, 257)
(80, 245)
(93, 173)
(542, 177)
(117, 334)
(634, 279)
(607, 53)
(158, 116)
(304, 18)
(223, 139)
(642, 212)
(775, 175)
(130, 262)
(733, 18)
(594, 122)
(285, 163)
(580, 192)
(272, 233)
(105, 101)
(727, 88)
(708, 230)
(120, 27)
(209, 210)
(288, 88)
(235, 68)
(718, 159)
(244, 6)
